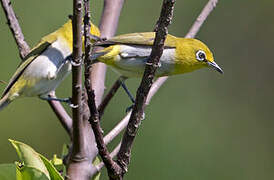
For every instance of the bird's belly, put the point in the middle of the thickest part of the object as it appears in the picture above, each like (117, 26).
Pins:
(47, 71)
(135, 66)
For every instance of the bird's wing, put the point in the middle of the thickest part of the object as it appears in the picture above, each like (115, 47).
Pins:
(36, 51)
(145, 39)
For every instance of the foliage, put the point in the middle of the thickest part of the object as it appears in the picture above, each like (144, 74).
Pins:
(34, 166)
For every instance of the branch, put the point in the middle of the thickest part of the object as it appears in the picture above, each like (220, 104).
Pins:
(117, 129)
(146, 83)
(112, 155)
(95, 79)
(108, 26)
(76, 75)
(211, 4)
(15, 28)
(113, 168)
(110, 95)
(62, 115)
(79, 151)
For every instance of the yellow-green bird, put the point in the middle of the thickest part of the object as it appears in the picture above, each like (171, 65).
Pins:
(129, 53)
(44, 67)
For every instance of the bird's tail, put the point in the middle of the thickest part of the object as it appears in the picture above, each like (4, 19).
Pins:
(4, 101)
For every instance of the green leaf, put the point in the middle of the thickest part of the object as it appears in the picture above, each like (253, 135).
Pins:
(7, 171)
(57, 163)
(54, 174)
(30, 158)
(30, 173)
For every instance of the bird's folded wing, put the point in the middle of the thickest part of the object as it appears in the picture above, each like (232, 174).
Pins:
(36, 51)
(145, 39)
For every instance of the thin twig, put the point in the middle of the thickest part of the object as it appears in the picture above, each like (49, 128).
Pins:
(15, 28)
(112, 155)
(108, 25)
(117, 129)
(95, 79)
(142, 92)
(62, 115)
(113, 168)
(211, 4)
(110, 95)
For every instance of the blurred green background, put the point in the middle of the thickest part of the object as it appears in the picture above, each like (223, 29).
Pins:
(199, 126)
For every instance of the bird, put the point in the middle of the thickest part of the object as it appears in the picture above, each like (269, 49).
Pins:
(44, 68)
(128, 55)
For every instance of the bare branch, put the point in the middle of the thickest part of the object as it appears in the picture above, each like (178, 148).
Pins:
(110, 94)
(62, 115)
(76, 74)
(78, 153)
(142, 92)
(95, 79)
(117, 129)
(108, 26)
(112, 155)
(112, 167)
(201, 18)
(15, 28)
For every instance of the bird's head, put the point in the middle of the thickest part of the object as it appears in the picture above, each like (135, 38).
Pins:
(193, 54)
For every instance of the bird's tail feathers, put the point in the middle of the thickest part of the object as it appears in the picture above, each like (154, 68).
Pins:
(4, 101)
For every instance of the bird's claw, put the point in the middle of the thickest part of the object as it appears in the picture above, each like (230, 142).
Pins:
(129, 108)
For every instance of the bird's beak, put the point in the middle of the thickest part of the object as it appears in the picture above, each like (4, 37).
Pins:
(215, 66)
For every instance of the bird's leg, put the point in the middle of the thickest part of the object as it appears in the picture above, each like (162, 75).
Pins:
(129, 95)
(128, 92)
(48, 98)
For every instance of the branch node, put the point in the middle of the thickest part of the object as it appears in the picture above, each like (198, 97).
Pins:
(77, 62)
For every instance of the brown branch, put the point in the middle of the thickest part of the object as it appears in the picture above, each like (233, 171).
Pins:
(76, 74)
(78, 153)
(110, 94)
(95, 79)
(112, 155)
(62, 115)
(112, 166)
(211, 4)
(108, 25)
(146, 83)
(117, 129)
(15, 28)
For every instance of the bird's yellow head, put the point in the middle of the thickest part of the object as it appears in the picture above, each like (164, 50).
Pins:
(192, 54)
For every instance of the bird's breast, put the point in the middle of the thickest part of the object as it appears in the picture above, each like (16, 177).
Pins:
(47, 70)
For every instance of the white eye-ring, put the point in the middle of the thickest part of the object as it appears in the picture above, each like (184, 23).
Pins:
(200, 55)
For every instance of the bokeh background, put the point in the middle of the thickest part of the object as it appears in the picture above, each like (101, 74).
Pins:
(199, 126)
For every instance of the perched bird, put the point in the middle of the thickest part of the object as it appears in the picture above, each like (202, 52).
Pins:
(129, 53)
(44, 68)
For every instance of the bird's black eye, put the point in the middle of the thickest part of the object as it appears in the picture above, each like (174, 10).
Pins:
(200, 55)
